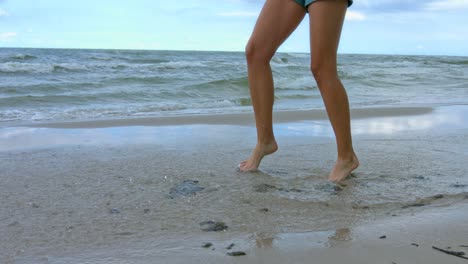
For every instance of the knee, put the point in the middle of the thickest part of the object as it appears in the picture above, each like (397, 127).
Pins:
(255, 53)
(323, 72)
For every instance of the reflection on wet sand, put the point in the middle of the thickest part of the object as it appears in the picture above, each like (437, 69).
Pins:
(264, 241)
(442, 118)
(341, 235)
(328, 239)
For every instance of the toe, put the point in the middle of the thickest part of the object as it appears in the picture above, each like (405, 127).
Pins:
(247, 167)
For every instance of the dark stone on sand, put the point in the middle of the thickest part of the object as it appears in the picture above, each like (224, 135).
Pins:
(264, 187)
(230, 246)
(186, 188)
(439, 196)
(339, 187)
(413, 205)
(213, 226)
(414, 244)
(236, 253)
(450, 252)
(383, 237)
(207, 245)
(364, 207)
(295, 190)
(114, 211)
(264, 210)
(146, 211)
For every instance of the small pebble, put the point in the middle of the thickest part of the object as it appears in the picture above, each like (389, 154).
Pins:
(339, 187)
(413, 205)
(207, 245)
(414, 244)
(296, 190)
(236, 253)
(383, 237)
(114, 211)
(230, 246)
(213, 226)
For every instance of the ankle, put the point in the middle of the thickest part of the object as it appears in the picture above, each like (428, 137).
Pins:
(267, 148)
(266, 142)
(347, 157)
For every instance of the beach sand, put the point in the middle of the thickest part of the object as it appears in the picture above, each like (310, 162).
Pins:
(136, 190)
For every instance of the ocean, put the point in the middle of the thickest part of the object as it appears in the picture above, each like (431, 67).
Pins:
(76, 84)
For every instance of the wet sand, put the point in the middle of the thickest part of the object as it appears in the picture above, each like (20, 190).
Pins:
(110, 191)
(408, 239)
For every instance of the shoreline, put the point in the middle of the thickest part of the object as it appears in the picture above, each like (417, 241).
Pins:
(229, 119)
(195, 129)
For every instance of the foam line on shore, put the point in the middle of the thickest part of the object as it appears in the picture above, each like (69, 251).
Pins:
(234, 119)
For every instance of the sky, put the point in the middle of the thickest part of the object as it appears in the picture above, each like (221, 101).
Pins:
(413, 27)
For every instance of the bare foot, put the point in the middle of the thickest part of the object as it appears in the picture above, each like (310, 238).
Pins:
(343, 168)
(260, 151)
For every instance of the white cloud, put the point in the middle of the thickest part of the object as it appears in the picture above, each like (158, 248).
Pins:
(238, 14)
(3, 13)
(448, 5)
(7, 36)
(354, 16)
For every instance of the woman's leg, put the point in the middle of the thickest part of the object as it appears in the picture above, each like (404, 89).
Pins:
(277, 20)
(326, 21)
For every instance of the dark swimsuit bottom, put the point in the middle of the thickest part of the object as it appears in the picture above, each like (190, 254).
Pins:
(306, 3)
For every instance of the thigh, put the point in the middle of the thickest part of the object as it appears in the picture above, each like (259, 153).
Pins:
(326, 21)
(277, 20)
